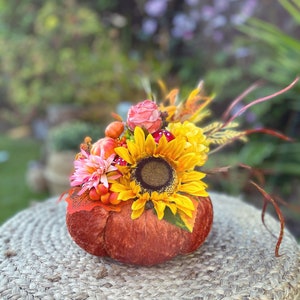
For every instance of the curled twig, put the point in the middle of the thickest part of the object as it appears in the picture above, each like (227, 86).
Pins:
(268, 199)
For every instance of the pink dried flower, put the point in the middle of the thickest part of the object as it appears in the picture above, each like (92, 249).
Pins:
(146, 115)
(91, 170)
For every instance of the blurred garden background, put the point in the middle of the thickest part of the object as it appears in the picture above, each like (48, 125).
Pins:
(66, 64)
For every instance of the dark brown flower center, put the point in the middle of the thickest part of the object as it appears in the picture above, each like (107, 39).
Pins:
(155, 174)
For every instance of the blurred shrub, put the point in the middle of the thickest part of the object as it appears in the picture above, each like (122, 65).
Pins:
(196, 36)
(276, 58)
(61, 52)
(68, 136)
(277, 52)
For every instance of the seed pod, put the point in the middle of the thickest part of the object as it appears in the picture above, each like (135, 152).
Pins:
(114, 129)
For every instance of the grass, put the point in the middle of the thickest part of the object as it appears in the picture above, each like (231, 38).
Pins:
(15, 195)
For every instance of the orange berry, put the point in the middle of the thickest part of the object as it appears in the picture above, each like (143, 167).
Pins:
(114, 129)
(105, 198)
(101, 189)
(94, 195)
(113, 198)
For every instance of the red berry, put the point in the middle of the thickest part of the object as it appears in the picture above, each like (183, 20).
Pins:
(159, 133)
(120, 161)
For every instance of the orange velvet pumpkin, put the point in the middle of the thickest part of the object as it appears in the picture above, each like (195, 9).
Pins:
(144, 241)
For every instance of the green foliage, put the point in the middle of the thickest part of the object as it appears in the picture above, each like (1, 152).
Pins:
(61, 52)
(278, 53)
(275, 58)
(68, 136)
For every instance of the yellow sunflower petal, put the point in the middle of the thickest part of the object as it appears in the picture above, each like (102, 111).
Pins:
(137, 213)
(124, 153)
(172, 207)
(196, 188)
(150, 145)
(175, 148)
(133, 149)
(183, 201)
(192, 176)
(161, 145)
(159, 207)
(139, 203)
(117, 187)
(187, 161)
(189, 221)
(126, 195)
(184, 210)
(139, 139)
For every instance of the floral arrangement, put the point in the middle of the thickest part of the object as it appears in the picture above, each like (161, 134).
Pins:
(139, 194)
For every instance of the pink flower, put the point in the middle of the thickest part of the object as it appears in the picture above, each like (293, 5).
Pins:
(91, 170)
(146, 115)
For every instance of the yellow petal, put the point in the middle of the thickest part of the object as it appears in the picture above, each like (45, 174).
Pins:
(183, 201)
(124, 153)
(192, 176)
(139, 139)
(133, 149)
(192, 95)
(161, 145)
(174, 149)
(137, 213)
(159, 207)
(172, 207)
(126, 195)
(186, 211)
(150, 145)
(189, 221)
(138, 204)
(117, 187)
(187, 161)
(195, 188)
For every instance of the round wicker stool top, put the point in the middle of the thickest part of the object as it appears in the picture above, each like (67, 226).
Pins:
(39, 260)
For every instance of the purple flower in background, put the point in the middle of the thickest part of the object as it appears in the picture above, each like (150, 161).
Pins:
(218, 21)
(242, 52)
(149, 26)
(221, 5)
(192, 2)
(184, 26)
(245, 13)
(156, 8)
(208, 12)
(218, 36)
(249, 7)
(195, 15)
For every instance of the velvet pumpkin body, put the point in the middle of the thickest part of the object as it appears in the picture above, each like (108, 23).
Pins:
(144, 241)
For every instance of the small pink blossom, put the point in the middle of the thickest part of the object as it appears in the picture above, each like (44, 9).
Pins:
(91, 170)
(146, 115)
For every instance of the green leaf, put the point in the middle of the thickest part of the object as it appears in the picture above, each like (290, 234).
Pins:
(292, 9)
(255, 153)
(174, 219)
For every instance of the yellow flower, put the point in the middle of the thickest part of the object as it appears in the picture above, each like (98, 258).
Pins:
(196, 141)
(160, 175)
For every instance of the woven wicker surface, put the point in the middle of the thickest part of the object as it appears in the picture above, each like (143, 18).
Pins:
(39, 260)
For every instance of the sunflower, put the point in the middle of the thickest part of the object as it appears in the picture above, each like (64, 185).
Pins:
(160, 175)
